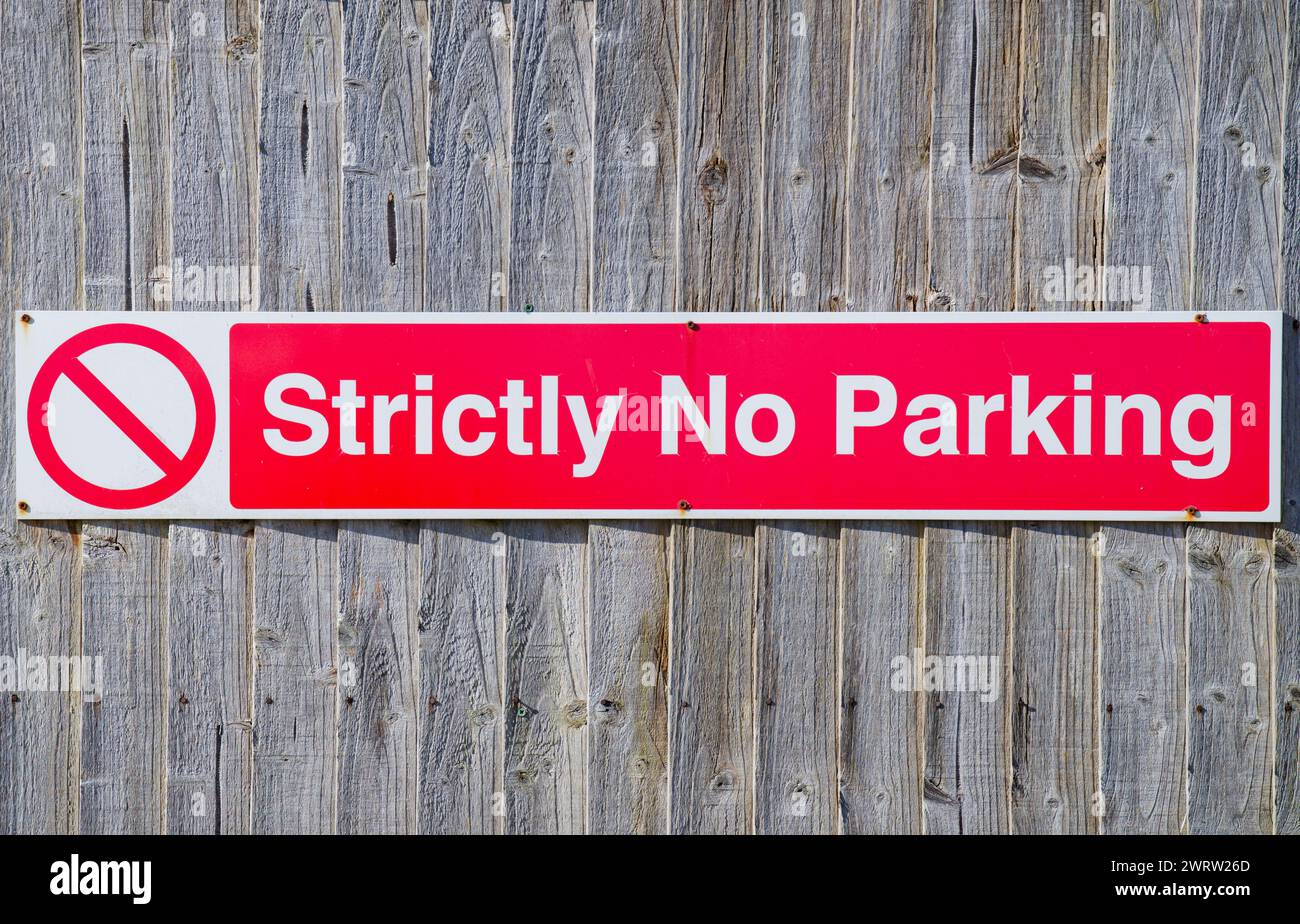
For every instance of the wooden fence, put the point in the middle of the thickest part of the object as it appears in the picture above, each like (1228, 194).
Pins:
(615, 155)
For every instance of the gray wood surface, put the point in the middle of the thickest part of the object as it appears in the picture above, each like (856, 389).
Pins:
(614, 155)
(43, 267)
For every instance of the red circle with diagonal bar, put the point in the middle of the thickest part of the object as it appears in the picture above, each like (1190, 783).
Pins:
(177, 470)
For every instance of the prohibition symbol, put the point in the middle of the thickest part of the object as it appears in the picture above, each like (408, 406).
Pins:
(66, 361)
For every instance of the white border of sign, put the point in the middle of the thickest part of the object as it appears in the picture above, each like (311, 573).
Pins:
(35, 340)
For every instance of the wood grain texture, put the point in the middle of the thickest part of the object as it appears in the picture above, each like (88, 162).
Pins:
(967, 754)
(881, 740)
(462, 605)
(379, 574)
(551, 177)
(295, 578)
(301, 102)
(1143, 679)
(797, 699)
(41, 265)
(1150, 207)
(628, 708)
(295, 756)
(882, 729)
(634, 219)
(547, 632)
(462, 671)
(469, 155)
(721, 180)
(124, 731)
(711, 687)
(806, 152)
(214, 208)
(889, 155)
(974, 163)
(1237, 266)
(385, 252)
(1286, 538)
(1059, 225)
(974, 154)
(210, 697)
(636, 156)
(129, 124)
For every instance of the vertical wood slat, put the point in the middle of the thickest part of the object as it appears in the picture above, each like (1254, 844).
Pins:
(634, 268)
(1059, 225)
(295, 573)
(880, 739)
(385, 248)
(40, 267)
(214, 209)
(462, 604)
(1237, 265)
(1150, 166)
(547, 603)
(125, 585)
(1286, 705)
(805, 178)
(711, 709)
(973, 173)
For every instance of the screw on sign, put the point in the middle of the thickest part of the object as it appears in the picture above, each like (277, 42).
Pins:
(66, 362)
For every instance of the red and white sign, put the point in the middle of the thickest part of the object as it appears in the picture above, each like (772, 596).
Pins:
(1116, 416)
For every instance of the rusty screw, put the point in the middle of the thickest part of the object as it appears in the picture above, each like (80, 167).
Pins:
(1202, 318)
(26, 319)
(1192, 513)
(683, 506)
(691, 325)
(24, 507)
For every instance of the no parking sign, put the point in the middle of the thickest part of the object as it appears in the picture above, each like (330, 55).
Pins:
(1065, 416)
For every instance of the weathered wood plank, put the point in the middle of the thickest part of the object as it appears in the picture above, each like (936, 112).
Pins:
(214, 209)
(889, 180)
(634, 220)
(462, 606)
(974, 159)
(41, 266)
(547, 632)
(295, 578)
(967, 754)
(974, 154)
(551, 178)
(295, 751)
(797, 773)
(711, 688)
(1237, 265)
(1286, 571)
(721, 180)
(379, 574)
(881, 741)
(124, 732)
(299, 217)
(1229, 681)
(462, 670)
(210, 701)
(125, 592)
(1151, 170)
(1059, 225)
(385, 252)
(881, 729)
(547, 602)
(469, 156)
(806, 126)
(1143, 679)
(628, 738)
(636, 157)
